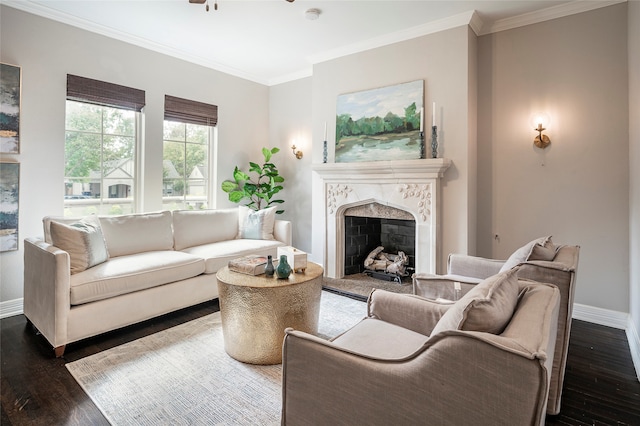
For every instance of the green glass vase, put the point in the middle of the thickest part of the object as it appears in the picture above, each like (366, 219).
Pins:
(284, 269)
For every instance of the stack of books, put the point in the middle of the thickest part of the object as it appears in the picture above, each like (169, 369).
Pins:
(250, 265)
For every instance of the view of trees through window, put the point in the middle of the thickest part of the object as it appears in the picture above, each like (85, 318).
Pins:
(185, 177)
(100, 162)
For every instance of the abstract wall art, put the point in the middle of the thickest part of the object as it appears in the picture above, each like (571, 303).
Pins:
(10, 83)
(9, 195)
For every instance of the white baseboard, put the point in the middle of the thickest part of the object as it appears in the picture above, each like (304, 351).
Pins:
(600, 316)
(11, 308)
(634, 345)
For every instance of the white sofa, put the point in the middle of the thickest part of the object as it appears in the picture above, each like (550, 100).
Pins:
(157, 263)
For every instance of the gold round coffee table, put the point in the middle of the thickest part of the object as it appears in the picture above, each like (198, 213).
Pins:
(255, 311)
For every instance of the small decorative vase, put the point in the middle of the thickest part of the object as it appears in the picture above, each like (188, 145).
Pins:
(269, 270)
(283, 270)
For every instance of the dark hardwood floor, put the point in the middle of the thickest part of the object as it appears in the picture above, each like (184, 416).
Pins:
(601, 387)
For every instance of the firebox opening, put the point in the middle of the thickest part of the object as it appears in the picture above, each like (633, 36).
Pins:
(363, 235)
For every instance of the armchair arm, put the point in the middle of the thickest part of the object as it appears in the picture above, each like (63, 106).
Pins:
(282, 231)
(449, 287)
(325, 384)
(473, 266)
(47, 290)
(408, 311)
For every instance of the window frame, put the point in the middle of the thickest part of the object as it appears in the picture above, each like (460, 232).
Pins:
(209, 163)
(187, 111)
(102, 135)
(110, 95)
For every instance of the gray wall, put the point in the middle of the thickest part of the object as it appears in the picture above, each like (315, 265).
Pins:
(575, 69)
(47, 51)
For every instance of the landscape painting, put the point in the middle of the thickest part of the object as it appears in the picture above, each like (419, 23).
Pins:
(380, 124)
(9, 109)
(9, 193)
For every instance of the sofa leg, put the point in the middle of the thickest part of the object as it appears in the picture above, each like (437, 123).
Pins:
(59, 351)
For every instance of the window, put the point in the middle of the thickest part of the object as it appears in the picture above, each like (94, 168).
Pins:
(101, 140)
(189, 135)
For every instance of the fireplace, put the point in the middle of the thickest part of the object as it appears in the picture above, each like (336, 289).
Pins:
(374, 225)
(408, 186)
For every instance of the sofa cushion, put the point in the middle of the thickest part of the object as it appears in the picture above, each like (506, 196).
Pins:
(82, 240)
(256, 224)
(196, 227)
(381, 340)
(487, 307)
(217, 255)
(523, 253)
(137, 233)
(126, 274)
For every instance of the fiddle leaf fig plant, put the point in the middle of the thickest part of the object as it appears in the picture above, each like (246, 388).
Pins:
(257, 190)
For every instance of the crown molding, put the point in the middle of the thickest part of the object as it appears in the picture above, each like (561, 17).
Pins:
(470, 18)
(387, 39)
(476, 23)
(304, 73)
(553, 12)
(46, 12)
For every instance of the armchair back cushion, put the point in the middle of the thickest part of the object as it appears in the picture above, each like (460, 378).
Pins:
(488, 307)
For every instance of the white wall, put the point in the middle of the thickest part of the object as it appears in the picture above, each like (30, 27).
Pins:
(47, 51)
(575, 69)
(290, 123)
(442, 61)
(634, 167)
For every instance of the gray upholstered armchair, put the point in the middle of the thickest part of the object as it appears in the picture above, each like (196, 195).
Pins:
(540, 260)
(485, 359)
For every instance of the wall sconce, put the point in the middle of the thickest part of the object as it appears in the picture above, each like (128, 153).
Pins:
(298, 154)
(541, 121)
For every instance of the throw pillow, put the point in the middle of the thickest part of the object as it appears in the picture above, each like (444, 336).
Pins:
(256, 224)
(523, 253)
(544, 252)
(83, 240)
(488, 307)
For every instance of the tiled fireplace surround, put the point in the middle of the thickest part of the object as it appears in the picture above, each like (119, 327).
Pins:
(412, 186)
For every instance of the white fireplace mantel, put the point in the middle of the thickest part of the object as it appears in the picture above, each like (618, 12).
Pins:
(409, 185)
(428, 168)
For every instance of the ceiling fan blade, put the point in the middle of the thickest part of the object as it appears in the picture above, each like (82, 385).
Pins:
(197, 1)
(291, 1)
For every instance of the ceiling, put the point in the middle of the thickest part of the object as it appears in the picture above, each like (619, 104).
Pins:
(271, 41)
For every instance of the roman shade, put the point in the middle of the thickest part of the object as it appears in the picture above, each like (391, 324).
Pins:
(98, 92)
(192, 112)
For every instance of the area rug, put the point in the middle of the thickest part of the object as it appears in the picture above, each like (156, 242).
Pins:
(183, 376)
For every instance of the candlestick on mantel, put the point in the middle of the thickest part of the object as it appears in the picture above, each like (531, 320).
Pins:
(421, 119)
(434, 141)
(325, 131)
(324, 151)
